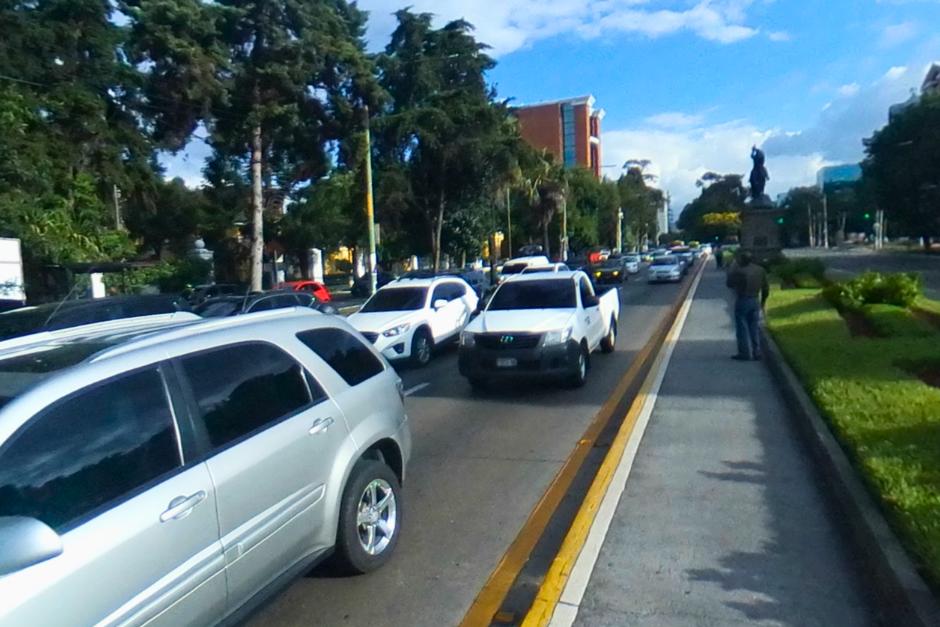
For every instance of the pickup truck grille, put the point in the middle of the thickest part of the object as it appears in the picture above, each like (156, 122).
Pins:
(372, 337)
(508, 341)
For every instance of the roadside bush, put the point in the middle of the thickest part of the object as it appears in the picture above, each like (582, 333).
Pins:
(874, 288)
(803, 273)
(894, 321)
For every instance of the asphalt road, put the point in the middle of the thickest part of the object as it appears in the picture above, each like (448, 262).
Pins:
(846, 263)
(479, 465)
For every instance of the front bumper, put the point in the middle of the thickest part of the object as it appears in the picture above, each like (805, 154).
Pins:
(392, 348)
(609, 278)
(540, 362)
(665, 278)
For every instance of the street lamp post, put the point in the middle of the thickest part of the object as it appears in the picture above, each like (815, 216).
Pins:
(370, 208)
(620, 230)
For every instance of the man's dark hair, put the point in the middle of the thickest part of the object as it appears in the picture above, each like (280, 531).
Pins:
(744, 258)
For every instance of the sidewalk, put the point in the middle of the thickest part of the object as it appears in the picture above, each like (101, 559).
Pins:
(721, 521)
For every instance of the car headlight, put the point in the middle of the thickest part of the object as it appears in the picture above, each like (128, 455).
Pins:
(467, 339)
(557, 337)
(597, 274)
(396, 331)
(616, 272)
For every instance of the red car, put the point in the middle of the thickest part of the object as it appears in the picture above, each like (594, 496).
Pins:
(317, 289)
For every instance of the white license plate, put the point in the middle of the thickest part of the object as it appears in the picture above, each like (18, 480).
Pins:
(506, 362)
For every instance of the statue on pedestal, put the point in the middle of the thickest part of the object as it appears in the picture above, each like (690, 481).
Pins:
(758, 179)
(760, 229)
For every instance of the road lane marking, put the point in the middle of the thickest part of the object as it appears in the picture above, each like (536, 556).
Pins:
(491, 596)
(562, 590)
(416, 389)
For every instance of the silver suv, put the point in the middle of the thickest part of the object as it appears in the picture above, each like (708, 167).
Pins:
(175, 475)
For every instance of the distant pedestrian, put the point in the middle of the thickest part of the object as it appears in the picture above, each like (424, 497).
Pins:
(749, 282)
(718, 256)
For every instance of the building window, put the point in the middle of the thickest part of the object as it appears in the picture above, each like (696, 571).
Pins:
(568, 135)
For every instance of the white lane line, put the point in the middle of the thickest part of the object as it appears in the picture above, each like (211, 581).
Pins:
(416, 389)
(568, 605)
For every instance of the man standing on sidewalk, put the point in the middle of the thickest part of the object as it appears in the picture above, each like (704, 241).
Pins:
(749, 281)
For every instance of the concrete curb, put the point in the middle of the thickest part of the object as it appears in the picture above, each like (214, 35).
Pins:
(903, 596)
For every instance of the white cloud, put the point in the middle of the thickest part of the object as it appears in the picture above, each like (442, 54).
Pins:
(509, 25)
(849, 89)
(676, 119)
(779, 35)
(680, 157)
(896, 72)
(897, 34)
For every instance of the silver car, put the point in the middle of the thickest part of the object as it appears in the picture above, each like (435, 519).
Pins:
(176, 474)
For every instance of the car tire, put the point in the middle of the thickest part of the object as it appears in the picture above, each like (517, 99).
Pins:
(370, 483)
(578, 377)
(609, 343)
(421, 347)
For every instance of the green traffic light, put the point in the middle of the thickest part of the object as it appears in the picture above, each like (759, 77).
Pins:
(779, 220)
(868, 216)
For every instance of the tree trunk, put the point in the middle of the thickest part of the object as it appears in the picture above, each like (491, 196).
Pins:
(546, 242)
(436, 235)
(305, 264)
(809, 222)
(257, 211)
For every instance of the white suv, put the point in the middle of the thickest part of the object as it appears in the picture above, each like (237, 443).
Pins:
(407, 318)
(176, 475)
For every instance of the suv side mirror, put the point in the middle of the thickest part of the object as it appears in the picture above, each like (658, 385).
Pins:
(440, 303)
(24, 542)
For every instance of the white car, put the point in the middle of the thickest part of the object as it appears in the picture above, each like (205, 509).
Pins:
(519, 264)
(632, 263)
(407, 318)
(553, 267)
(666, 268)
(540, 326)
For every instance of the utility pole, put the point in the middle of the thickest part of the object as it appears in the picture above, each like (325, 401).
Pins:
(370, 208)
(564, 231)
(810, 225)
(118, 220)
(508, 223)
(825, 221)
(620, 229)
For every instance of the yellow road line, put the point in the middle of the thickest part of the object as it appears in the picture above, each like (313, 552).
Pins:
(540, 614)
(491, 596)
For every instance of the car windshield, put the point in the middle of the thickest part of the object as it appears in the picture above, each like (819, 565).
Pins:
(613, 263)
(665, 261)
(219, 308)
(537, 269)
(513, 268)
(396, 299)
(20, 372)
(22, 321)
(547, 294)
(631, 259)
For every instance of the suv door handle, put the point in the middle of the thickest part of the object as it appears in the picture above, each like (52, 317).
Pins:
(182, 506)
(320, 425)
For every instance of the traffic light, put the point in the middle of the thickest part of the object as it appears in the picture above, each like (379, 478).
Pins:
(780, 220)
(867, 216)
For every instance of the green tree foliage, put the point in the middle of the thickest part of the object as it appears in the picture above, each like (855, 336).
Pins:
(902, 168)
(721, 194)
(592, 210)
(436, 136)
(640, 202)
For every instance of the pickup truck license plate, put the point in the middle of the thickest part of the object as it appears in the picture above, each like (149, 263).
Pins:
(506, 362)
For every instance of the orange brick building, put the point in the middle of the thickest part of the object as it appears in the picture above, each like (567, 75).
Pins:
(568, 129)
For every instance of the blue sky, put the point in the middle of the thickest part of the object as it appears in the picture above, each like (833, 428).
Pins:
(691, 84)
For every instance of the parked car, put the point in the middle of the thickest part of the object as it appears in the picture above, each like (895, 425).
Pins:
(540, 325)
(28, 320)
(361, 287)
(407, 318)
(686, 255)
(614, 270)
(225, 306)
(552, 267)
(665, 268)
(476, 279)
(167, 477)
(315, 288)
(202, 293)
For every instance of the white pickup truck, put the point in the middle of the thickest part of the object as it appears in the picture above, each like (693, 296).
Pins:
(541, 326)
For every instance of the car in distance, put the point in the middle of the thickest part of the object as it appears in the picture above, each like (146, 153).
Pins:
(202, 293)
(316, 288)
(407, 318)
(174, 476)
(552, 267)
(517, 265)
(667, 268)
(614, 270)
(225, 306)
(632, 263)
(540, 325)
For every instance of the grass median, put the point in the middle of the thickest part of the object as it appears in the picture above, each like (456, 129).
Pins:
(875, 395)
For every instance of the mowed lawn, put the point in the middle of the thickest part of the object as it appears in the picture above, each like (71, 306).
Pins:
(887, 418)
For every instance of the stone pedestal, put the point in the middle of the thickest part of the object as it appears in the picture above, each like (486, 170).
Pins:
(760, 230)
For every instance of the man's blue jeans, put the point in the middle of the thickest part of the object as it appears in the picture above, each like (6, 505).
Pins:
(747, 326)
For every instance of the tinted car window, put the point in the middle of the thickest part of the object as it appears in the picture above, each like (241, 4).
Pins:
(396, 299)
(547, 294)
(89, 450)
(273, 302)
(344, 352)
(242, 389)
(588, 298)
